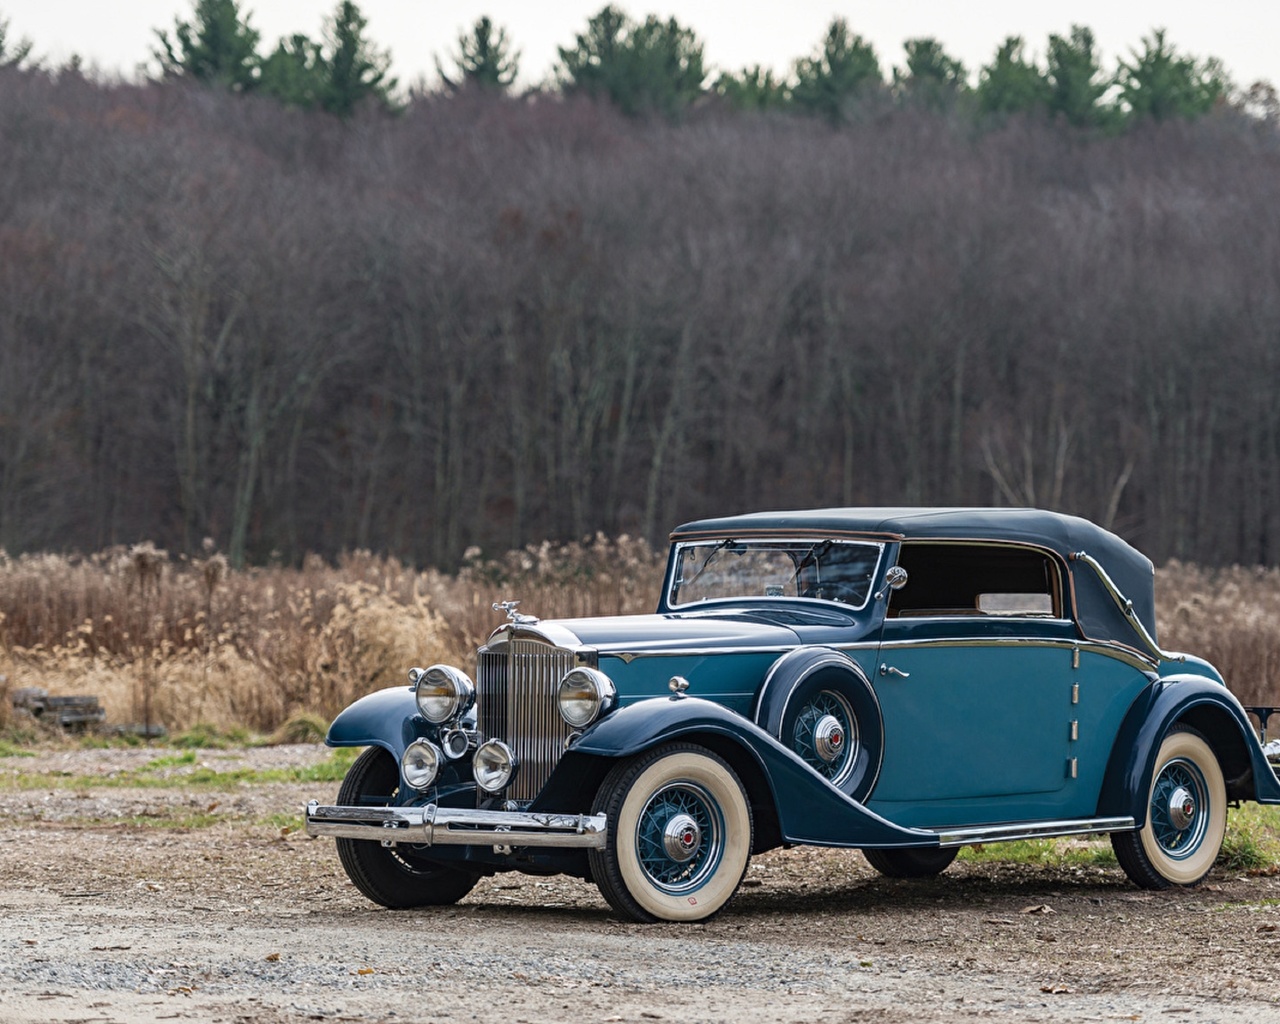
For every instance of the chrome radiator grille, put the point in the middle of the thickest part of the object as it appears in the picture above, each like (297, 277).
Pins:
(516, 685)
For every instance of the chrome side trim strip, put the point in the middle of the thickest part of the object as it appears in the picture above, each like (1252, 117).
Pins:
(457, 826)
(1126, 606)
(1120, 652)
(696, 652)
(964, 836)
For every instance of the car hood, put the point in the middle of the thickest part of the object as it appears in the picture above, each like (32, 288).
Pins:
(632, 633)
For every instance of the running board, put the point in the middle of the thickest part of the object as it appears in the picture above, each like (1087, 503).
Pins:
(1011, 831)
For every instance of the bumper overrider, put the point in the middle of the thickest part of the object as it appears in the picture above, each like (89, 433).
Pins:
(430, 825)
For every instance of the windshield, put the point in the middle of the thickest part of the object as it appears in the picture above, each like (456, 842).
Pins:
(823, 569)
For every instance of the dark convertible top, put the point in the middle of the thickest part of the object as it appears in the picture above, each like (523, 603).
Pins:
(1096, 611)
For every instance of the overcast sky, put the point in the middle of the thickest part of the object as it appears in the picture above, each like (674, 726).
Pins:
(118, 35)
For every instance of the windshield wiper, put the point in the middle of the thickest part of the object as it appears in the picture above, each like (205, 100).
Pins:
(702, 567)
(811, 557)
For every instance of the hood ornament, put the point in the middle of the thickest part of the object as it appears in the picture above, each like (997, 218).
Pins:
(512, 615)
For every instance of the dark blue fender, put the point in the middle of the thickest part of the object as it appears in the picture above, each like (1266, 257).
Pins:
(1207, 706)
(388, 719)
(812, 668)
(809, 809)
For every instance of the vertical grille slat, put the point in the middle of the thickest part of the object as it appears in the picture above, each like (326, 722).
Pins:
(516, 702)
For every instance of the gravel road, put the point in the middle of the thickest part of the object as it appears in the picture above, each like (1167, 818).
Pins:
(114, 910)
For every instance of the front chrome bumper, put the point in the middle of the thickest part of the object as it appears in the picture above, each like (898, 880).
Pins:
(457, 826)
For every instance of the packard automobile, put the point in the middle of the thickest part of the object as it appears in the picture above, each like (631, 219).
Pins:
(899, 681)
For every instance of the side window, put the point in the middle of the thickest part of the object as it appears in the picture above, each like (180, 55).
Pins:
(977, 579)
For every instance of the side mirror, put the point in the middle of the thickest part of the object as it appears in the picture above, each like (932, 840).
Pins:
(894, 579)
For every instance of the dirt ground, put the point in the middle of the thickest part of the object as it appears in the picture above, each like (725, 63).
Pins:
(115, 911)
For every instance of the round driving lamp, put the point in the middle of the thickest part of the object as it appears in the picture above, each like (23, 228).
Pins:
(443, 693)
(585, 694)
(493, 766)
(419, 764)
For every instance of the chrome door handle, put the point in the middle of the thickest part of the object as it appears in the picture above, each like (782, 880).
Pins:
(889, 670)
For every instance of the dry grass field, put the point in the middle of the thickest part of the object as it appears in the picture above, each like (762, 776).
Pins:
(189, 643)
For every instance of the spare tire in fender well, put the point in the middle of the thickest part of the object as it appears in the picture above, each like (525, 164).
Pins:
(819, 703)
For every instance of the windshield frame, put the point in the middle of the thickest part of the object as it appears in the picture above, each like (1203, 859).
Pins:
(805, 546)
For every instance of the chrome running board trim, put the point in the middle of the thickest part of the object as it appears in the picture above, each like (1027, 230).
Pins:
(965, 836)
(457, 826)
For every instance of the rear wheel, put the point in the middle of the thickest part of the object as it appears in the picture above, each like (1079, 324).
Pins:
(679, 835)
(911, 861)
(1186, 816)
(393, 876)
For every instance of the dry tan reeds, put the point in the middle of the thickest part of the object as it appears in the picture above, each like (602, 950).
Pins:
(1231, 617)
(182, 641)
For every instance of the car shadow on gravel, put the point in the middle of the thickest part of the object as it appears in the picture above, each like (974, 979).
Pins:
(1010, 887)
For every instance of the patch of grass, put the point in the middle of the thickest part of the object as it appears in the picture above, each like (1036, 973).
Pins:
(20, 736)
(281, 822)
(301, 728)
(169, 761)
(1067, 852)
(1252, 842)
(180, 771)
(8, 749)
(205, 736)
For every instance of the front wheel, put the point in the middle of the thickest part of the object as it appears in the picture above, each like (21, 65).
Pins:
(679, 835)
(393, 876)
(1186, 816)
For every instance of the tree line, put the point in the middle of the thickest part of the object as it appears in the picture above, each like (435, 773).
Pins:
(489, 319)
(658, 67)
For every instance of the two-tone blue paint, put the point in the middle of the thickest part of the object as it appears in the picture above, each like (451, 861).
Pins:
(1121, 716)
(809, 809)
(1204, 704)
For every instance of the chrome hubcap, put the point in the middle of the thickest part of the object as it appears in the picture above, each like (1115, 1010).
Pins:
(828, 738)
(681, 837)
(1182, 808)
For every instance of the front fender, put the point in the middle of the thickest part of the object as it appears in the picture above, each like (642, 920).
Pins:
(387, 718)
(1202, 703)
(809, 809)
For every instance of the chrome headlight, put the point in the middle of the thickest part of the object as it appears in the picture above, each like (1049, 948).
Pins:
(419, 764)
(585, 694)
(442, 693)
(493, 766)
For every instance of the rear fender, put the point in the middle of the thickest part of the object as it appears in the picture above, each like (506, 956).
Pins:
(1205, 705)
(807, 807)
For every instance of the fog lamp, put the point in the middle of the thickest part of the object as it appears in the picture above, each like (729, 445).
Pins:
(419, 764)
(494, 765)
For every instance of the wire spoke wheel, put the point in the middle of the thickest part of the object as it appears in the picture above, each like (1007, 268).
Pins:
(826, 735)
(1178, 799)
(1186, 816)
(680, 835)
(678, 841)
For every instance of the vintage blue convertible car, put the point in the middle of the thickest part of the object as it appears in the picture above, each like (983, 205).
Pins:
(900, 681)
